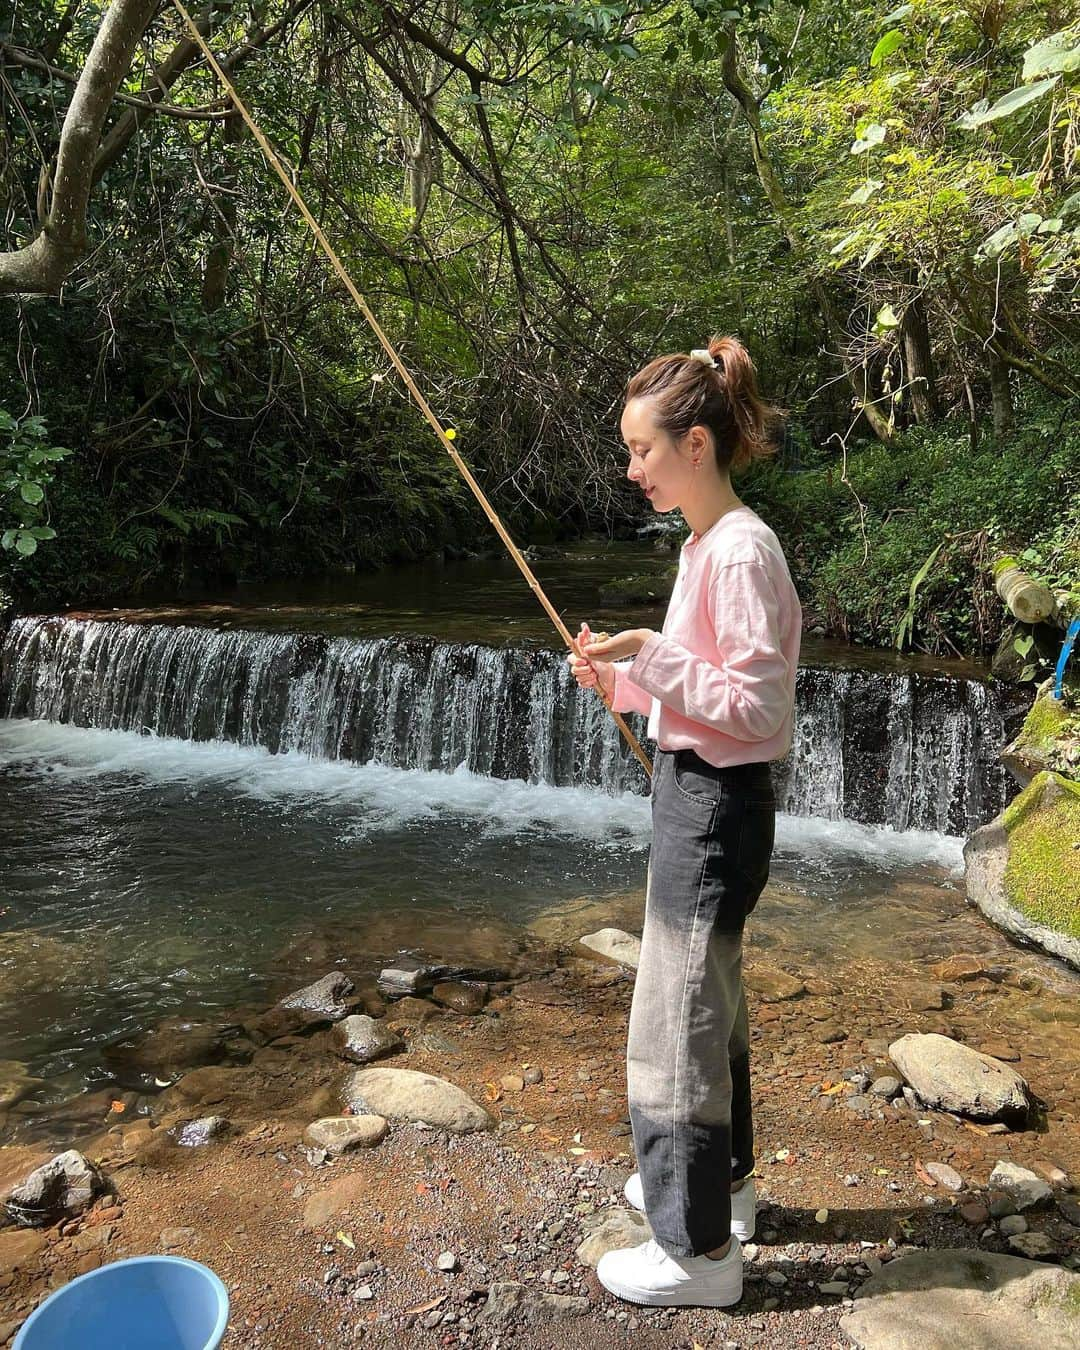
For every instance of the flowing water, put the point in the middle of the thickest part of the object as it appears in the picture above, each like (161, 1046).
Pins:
(190, 793)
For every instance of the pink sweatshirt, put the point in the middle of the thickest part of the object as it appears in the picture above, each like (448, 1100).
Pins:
(720, 676)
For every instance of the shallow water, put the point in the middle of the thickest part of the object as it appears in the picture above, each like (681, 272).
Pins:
(145, 877)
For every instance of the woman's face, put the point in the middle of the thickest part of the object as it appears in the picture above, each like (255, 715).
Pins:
(660, 466)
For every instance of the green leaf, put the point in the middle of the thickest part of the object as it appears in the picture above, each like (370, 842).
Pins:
(886, 45)
(1069, 205)
(895, 15)
(886, 320)
(1007, 105)
(868, 137)
(30, 492)
(862, 195)
(1051, 226)
(1059, 54)
(26, 544)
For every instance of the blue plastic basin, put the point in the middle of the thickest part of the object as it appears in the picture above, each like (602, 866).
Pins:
(143, 1303)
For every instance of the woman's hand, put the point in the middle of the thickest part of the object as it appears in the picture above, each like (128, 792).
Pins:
(590, 670)
(616, 648)
(591, 674)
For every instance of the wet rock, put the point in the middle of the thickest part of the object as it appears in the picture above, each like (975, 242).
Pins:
(1036, 1247)
(925, 998)
(999, 1050)
(611, 1230)
(542, 992)
(614, 945)
(16, 1082)
(946, 1176)
(1012, 1225)
(407, 976)
(885, 1087)
(363, 1039)
(772, 985)
(947, 1300)
(327, 999)
(195, 1133)
(957, 969)
(838, 1288)
(172, 1047)
(510, 1303)
(949, 1075)
(458, 997)
(1001, 1204)
(62, 1188)
(215, 1083)
(409, 1009)
(404, 1094)
(338, 1134)
(1025, 1188)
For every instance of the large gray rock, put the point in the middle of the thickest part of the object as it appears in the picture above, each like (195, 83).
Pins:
(338, 1134)
(966, 1300)
(62, 1188)
(614, 945)
(953, 1077)
(510, 1303)
(405, 1094)
(327, 998)
(196, 1133)
(1024, 1188)
(362, 1039)
(611, 1230)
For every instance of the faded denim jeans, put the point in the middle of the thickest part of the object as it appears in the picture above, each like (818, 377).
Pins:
(688, 1055)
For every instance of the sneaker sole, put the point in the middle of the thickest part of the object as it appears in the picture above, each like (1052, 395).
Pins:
(674, 1300)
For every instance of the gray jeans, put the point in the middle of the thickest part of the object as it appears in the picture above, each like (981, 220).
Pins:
(687, 1055)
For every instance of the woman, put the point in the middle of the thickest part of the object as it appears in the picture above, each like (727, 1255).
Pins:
(718, 686)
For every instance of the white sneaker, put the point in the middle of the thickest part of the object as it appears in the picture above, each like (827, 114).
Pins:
(647, 1274)
(743, 1205)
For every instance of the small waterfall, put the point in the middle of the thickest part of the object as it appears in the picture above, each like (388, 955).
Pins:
(911, 751)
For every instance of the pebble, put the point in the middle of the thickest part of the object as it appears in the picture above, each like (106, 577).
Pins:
(974, 1213)
(447, 1261)
(1012, 1224)
(777, 1278)
(835, 1287)
(946, 1175)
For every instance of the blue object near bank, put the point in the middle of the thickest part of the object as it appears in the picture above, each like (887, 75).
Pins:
(1066, 652)
(143, 1303)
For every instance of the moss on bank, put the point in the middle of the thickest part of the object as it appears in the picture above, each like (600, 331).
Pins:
(1042, 875)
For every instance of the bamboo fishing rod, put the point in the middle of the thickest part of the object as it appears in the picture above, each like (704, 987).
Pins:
(399, 366)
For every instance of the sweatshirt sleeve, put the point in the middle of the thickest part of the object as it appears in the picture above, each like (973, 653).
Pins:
(745, 694)
(628, 697)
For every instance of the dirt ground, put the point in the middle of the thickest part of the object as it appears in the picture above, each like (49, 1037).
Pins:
(346, 1252)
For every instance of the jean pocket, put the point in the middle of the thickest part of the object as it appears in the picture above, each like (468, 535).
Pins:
(694, 780)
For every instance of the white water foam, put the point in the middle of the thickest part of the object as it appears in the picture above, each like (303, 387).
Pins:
(380, 798)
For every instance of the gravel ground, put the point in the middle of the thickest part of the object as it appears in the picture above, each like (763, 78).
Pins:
(405, 1241)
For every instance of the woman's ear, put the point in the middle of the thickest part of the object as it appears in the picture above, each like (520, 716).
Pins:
(699, 443)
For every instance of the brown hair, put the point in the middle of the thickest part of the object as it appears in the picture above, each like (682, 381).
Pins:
(687, 392)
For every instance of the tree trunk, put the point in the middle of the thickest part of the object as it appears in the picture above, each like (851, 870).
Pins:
(769, 178)
(216, 272)
(920, 374)
(42, 265)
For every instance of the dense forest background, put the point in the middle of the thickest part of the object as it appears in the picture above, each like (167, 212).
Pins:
(536, 198)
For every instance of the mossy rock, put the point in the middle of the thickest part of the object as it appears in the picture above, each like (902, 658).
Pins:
(1023, 869)
(651, 589)
(1048, 740)
(1042, 876)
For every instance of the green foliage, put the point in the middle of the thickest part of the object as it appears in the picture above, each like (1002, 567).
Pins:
(27, 465)
(903, 549)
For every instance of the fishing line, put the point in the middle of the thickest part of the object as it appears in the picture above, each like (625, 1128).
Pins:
(445, 437)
